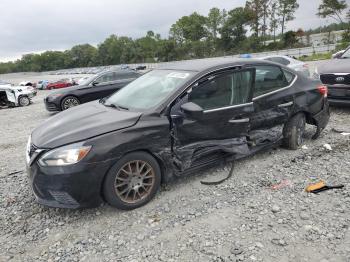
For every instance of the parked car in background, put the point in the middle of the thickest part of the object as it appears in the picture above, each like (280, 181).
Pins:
(42, 84)
(62, 83)
(27, 83)
(170, 122)
(16, 95)
(336, 75)
(290, 62)
(93, 88)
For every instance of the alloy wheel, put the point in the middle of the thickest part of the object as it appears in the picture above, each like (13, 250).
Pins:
(134, 181)
(70, 102)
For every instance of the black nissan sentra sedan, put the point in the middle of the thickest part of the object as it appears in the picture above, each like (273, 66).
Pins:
(93, 88)
(169, 123)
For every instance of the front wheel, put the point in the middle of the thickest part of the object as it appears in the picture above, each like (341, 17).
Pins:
(293, 131)
(68, 102)
(24, 101)
(133, 181)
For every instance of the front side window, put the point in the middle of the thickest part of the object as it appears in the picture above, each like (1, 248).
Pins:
(223, 90)
(105, 78)
(268, 79)
(126, 75)
(149, 90)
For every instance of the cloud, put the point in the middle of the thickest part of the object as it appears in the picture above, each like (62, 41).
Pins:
(36, 25)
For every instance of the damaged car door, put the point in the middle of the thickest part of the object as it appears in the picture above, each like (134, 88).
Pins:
(212, 117)
(273, 104)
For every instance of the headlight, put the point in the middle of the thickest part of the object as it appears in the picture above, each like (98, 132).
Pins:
(64, 156)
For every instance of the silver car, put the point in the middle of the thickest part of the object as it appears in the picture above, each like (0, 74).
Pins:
(290, 62)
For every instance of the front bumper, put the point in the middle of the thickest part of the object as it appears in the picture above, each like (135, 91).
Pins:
(75, 186)
(339, 95)
(51, 106)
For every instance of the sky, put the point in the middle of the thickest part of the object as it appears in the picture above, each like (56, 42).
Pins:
(32, 26)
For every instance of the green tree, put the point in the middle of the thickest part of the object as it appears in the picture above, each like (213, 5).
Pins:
(189, 28)
(254, 11)
(290, 39)
(82, 55)
(286, 10)
(273, 19)
(233, 31)
(333, 9)
(214, 21)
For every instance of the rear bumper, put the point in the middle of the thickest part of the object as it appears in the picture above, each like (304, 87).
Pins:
(322, 117)
(339, 102)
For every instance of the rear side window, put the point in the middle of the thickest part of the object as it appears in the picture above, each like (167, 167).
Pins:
(289, 76)
(268, 79)
(105, 78)
(223, 90)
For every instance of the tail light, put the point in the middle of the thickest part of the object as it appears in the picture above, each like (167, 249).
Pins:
(306, 65)
(323, 90)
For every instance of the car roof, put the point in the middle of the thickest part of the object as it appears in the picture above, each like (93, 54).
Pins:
(200, 65)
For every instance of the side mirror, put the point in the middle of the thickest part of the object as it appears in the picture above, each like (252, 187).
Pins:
(95, 83)
(192, 110)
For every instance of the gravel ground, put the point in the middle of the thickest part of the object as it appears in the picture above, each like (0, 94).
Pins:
(242, 219)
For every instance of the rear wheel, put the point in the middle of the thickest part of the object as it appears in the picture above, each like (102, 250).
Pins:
(24, 101)
(293, 131)
(69, 101)
(133, 181)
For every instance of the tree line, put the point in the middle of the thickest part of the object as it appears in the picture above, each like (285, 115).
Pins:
(254, 27)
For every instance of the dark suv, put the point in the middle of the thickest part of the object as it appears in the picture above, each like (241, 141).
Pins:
(93, 88)
(169, 123)
(336, 75)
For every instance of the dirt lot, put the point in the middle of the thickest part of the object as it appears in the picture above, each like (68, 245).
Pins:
(242, 219)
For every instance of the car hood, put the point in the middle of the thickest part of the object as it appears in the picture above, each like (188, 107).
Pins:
(335, 66)
(80, 123)
(66, 89)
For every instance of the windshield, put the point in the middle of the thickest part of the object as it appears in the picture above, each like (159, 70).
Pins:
(346, 54)
(149, 90)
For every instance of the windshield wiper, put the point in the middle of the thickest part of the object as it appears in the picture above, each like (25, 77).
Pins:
(116, 106)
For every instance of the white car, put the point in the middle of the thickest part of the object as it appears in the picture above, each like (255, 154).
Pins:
(16, 95)
(290, 62)
(338, 54)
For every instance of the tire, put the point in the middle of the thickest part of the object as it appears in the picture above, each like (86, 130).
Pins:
(127, 189)
(293, 131)
(23, 101)
(68, 102)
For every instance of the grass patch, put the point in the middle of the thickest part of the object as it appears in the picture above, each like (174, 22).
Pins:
(315, 57)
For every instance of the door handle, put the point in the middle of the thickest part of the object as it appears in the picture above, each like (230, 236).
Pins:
(285, 104)
(237, 121)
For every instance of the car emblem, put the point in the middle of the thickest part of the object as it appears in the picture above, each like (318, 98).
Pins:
(340, 79)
